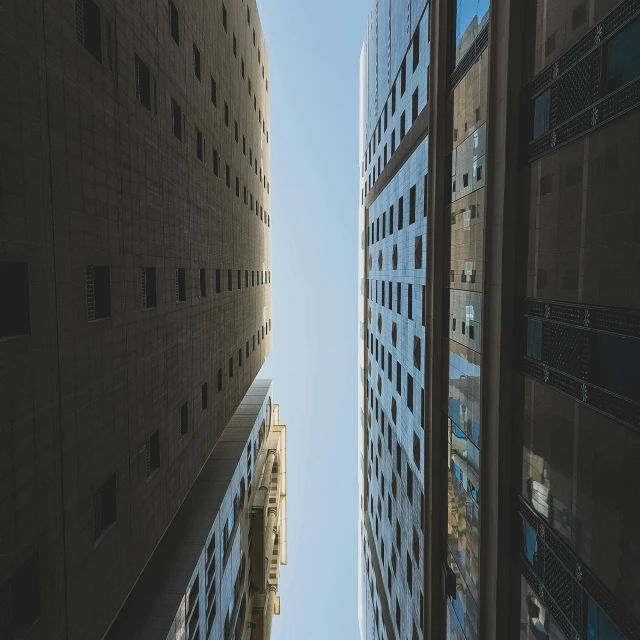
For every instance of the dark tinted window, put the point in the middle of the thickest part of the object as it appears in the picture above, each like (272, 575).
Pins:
(614, 364)
(14, 292)
(143, 83)
(623, 57)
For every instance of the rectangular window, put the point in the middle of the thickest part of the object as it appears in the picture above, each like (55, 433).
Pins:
(416, 449)
(623, 57)
(104, 507)
(176, 119)
(403, 77)
(152, 453)
(203, 283)
(214, 92)
(400, 213)
(534, 339)
(239, 357)
(414, 106)
(399, 378)
(226, 113)
(402, 126)
(98, 292)
(20, 604)
(196, 61)
(412, 205)
(239, 279)
(542, 109)
(246, 355)
(231, 367)
(393, 142)
(149, 294)
(227, 176)
(418, 252)
(143, 83)
(384, 224)
(410, 392)
(181, 285)
(416, 49)
(224, 16)
(399, 297)
(217, 280)
(216, 163)
(183, 419)
(88, 31)
(174, 28)
(389, 366)
(410, 301)
(235, 129)
(386, 122)
(199, 144)
(203, 396)
(409, 482)
(14, 293)
(229, 280)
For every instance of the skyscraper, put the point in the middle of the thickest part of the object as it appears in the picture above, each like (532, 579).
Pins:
(393, 226)
(215, 572)
(135, 276)
(531, 398)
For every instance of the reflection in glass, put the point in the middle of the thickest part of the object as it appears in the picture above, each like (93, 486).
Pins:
(471, 16)
(623, 57)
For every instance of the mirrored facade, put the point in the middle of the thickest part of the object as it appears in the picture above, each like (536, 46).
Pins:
(392, 264)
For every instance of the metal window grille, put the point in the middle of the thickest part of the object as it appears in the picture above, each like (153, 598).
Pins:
(109, 48)
(147, 457)
(137, 71)
(144, 288)
(91, 301)
(80, 21)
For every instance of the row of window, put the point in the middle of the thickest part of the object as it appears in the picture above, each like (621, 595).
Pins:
(104, 498)
(386, 296)
(383, 120)
(396, 217)
(88, 33)
(179, 129)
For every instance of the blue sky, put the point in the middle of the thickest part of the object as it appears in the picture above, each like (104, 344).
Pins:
(314, 57)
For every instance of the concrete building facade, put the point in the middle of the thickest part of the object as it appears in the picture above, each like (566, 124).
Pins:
(531, 313)
(135, 272)
(215, 573)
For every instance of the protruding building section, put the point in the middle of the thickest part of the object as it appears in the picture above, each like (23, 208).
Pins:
(215, 572)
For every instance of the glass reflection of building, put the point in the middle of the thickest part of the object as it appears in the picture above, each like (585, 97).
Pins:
(531, 404)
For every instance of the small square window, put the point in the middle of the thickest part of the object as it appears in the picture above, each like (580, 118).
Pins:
(149, 294)
(176, 119)
(216, 163)
(199, 144)
(203, 396)
(98, 292)
(214, 92)
(196, 61)
(174, 28)
(152, 453)
(143, 83)
(88, 30)
(104, 507)
(181, 285)
(183, 419)
(14, 292)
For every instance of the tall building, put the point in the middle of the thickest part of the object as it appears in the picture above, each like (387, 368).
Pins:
(215, 572)
(393, 226)
(135, 276)
(531, 406)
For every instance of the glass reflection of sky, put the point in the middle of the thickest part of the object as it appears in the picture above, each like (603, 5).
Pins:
(469, 17)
